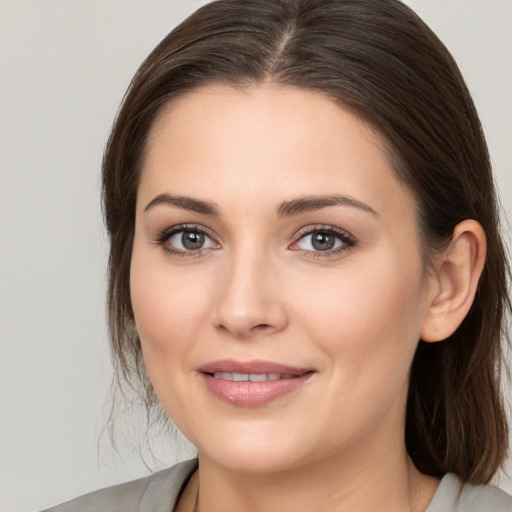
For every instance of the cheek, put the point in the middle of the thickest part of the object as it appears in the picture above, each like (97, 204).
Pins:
(367, 313)
(168, 316)
(167, 310)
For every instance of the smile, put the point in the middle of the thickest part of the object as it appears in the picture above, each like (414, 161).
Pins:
(251, 384)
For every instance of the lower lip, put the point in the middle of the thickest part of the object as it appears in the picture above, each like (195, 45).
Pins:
(252, 394)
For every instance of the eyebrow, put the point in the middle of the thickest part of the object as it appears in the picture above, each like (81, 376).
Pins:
(296, 206)
(187, 203)
(312, 203)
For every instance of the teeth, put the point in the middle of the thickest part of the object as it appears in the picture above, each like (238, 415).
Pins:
(253, 377)
(257, 377)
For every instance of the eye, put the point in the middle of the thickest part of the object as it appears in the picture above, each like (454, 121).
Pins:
(186, 239)
(324, 239)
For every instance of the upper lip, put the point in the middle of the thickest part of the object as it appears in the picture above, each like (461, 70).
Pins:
(251, 367)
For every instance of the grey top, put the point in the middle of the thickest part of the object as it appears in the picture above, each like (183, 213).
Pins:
(160, 492)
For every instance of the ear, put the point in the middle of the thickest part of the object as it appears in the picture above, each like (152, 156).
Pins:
(455, 280)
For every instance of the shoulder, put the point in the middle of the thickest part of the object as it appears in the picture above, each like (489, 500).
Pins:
(479, 498)
(157, 492)
(453, 495)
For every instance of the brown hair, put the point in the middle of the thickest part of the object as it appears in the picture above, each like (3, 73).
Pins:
(379, 60)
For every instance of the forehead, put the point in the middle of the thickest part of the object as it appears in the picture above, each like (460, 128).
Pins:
(262, 144)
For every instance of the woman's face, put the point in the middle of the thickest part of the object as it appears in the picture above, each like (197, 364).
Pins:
(276, 278)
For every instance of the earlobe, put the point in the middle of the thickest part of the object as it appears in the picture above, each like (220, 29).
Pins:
(454, 284)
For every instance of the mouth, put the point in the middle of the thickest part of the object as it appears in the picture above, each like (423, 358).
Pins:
(252, 377)
(252, 384)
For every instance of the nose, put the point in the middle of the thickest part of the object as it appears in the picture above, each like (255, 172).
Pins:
(249, 302)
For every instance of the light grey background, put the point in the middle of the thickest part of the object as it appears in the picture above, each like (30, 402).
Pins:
(64, 66)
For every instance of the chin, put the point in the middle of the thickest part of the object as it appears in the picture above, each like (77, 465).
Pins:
(253, 452)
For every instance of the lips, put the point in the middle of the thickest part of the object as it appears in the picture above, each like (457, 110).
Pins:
(253, 383)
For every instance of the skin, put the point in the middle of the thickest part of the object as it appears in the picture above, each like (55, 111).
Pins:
(257, 290)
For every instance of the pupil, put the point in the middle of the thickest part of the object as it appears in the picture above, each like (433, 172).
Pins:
(323, 241)
(192, 240)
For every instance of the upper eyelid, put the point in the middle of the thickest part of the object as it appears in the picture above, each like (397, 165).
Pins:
(187, 227)
(307, 230)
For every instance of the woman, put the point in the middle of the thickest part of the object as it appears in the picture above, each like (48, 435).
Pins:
(305, 265)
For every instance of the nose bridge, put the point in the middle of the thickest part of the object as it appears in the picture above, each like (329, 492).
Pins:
(248, 302)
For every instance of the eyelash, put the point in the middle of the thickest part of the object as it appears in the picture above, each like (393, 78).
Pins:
(348, 240)
(165, 235)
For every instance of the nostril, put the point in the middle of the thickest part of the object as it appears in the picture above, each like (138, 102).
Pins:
(261, 327)
(250, 331)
